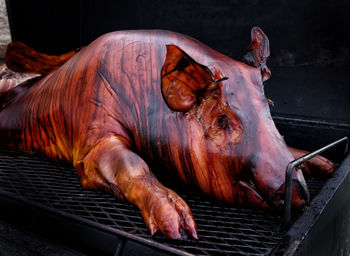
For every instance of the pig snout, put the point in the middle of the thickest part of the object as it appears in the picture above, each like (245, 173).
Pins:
(269, 180)
(300, 194)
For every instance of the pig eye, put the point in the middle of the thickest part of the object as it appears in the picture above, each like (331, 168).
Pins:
(223, 122)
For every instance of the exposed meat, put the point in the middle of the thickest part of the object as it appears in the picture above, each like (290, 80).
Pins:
(133, 101)
(10, 79)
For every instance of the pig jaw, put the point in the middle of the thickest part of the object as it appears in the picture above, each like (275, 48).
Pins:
(229, 177)
(268, 177)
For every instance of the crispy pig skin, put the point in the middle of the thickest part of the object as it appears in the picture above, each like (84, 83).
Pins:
(134, 99)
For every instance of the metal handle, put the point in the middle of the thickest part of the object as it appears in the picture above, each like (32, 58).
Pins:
(296, 163)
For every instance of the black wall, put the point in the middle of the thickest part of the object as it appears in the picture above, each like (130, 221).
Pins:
(305, 32)
(309, 40)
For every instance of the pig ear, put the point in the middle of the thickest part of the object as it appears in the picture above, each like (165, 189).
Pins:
(258, 51)
(182, 78)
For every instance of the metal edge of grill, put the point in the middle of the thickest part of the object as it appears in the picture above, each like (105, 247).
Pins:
(301, 228)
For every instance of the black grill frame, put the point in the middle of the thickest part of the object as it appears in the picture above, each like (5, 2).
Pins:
(52, 191)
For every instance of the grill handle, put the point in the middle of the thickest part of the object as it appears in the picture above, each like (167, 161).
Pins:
(295, 164)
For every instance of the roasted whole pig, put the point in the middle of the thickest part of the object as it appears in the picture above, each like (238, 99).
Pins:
(132, 100)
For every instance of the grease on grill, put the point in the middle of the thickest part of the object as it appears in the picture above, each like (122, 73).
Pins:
(221, 229)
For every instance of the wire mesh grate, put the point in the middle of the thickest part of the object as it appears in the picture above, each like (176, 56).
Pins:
(222, 229)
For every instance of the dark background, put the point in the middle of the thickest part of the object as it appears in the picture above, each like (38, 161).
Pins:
(309, 61)
(309, 40)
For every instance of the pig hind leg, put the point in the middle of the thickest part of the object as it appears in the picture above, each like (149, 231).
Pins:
(317, 166)
(111, 166)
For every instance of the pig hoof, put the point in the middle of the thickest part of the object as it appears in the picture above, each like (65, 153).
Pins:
(167, 212)
(318, 166)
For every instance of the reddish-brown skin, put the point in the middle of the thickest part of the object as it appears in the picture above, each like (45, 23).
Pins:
(135, 99)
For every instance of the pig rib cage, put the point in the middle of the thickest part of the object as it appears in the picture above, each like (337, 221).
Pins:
(53, 188)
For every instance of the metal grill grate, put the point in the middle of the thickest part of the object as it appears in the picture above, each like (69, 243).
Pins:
(222, 229)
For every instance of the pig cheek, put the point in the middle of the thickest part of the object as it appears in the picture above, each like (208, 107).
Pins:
(221, 177)
(199, 155)
(175, 141)
(221, 168)
(211, 165)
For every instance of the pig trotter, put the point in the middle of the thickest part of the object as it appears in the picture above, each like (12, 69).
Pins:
(317, 166)
(163, 209)
(110, 165)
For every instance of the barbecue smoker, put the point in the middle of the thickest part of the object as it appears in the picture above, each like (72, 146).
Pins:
(310, 90)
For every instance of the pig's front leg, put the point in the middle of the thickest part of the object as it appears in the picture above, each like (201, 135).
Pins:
(317, 166)
(111, 166)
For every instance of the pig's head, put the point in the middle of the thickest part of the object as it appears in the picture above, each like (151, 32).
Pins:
(236, 153)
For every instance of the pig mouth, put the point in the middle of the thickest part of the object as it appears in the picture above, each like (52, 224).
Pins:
(252, 197)
(300, 194)
(275, 200)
